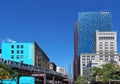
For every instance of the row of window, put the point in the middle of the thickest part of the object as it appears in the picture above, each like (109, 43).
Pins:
(17, 57)
(106, 47)
(99, 58)
(106, 50)
(17, 46)
(106, 42)
(18, 52)
(106, 33)
(106, 38)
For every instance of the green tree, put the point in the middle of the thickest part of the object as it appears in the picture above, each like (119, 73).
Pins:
(6, 72)
(96, 71)
(80, 80)
(106, 72)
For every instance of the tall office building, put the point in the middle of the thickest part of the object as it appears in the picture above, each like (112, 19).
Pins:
(28, 53)
(85, 28)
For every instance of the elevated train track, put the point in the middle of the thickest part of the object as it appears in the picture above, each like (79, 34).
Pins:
(35, 71)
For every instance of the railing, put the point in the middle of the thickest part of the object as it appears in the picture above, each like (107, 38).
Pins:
(31, 68)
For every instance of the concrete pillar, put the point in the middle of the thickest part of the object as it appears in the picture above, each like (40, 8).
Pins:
(53, 81)
(44, 78)
(18, 80)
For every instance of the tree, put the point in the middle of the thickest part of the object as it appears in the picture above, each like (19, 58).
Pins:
(106, 72)
(80, 80)
(6, 72)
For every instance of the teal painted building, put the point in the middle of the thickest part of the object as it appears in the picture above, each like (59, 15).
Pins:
(20, 52)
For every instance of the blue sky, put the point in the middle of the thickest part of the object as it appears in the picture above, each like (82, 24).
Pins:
(50, 23)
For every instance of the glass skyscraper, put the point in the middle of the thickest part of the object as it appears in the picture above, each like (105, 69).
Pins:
(85, 28)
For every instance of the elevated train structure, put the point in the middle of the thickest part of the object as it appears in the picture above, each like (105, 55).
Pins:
(45, 76)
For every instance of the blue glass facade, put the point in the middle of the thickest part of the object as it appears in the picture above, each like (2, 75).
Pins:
(20, 52)
(88, 23)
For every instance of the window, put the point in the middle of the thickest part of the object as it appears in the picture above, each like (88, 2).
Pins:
(106, 52)
(88, 56)
(17, 46)
(106, 56)
(12, 51)
(21, 46)
(21, 57)
(111, 43)
(12, 46)
(100, 47)
(17, 57)
(83, 64)
(12, 56)
(17, 51)
(111, 59)
(106, 44)
(83, 56)
(111, 50)
(106, 59)
(83, 59)
(101, 55)
(111, 56)
(21, 61)
(100, 52)
(100, 58)
(106, 47)
(111, 47)
(21, 51)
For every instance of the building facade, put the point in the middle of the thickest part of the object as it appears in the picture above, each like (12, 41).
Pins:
(106, 50)
(85, 28)
(106, 42)
(28, 53)
(41, 59)
(89, 60)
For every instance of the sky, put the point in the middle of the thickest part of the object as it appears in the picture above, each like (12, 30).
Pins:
(51, 23)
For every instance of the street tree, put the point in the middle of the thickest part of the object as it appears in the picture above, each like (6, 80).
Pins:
(106, 72)
(6, 72)
(80, 80)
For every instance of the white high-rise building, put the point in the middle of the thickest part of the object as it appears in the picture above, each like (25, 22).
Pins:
(106, 42)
